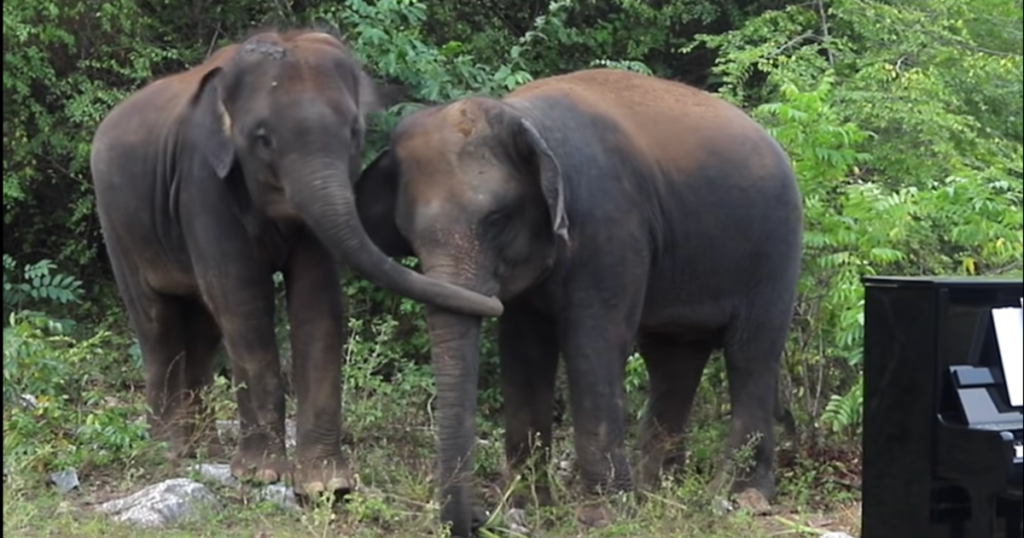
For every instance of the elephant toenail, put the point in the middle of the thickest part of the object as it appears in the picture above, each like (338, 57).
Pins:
(267, 475)
(314, 488)
(340, 485)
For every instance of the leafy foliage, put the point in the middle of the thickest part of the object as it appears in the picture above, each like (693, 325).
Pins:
(38, 284)
(903, 121)
(55, 413)
(903, 169)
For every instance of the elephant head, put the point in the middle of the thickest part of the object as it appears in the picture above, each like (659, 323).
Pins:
(284, 117)
(474, 190)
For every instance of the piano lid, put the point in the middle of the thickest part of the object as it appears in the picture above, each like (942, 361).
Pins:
(975, 282)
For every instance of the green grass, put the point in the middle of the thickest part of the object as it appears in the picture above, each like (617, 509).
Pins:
(88, 415)
(40, 513)
(377, 517)
(397, 499)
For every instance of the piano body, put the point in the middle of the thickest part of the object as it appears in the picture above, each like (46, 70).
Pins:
(942, 442)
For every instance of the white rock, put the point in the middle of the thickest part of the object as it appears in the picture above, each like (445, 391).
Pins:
(836, 535)
(216, 472)
(166, 503)
(721, 506)
(28, 401)
(278, 494)
(565, 470)
(516, 520)
(228, 429)
(65, 480)
(220, 473)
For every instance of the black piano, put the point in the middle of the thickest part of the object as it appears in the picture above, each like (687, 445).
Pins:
(942, 442)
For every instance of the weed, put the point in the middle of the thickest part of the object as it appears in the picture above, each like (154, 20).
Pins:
(69, 403)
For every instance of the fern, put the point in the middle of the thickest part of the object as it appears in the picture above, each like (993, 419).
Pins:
(844, 413)
(38, 284)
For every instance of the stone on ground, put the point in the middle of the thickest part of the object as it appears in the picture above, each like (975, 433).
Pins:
(160, 505)
(65, 480)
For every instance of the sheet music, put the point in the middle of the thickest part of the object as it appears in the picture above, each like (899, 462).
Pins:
(1009, 325)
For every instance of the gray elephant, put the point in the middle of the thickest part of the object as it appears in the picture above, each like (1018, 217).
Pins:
(604, 208)
(207, 182)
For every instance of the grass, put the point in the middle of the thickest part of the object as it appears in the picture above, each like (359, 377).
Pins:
(373, 516)
(48, 516)
(396, 499)
(88, 415)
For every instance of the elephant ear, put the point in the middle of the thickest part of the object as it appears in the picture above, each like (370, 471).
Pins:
(211, 125)
(550, 172)
(376, 193)
(375, 97)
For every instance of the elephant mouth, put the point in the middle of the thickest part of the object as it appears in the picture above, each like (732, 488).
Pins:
(462, 272)
(279, 208)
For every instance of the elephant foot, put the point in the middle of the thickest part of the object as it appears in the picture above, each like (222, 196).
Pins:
(594, 514)
(213, 450)
(324, 476)
(188, 440)
(753, 494)
(204, 443)
(527, 493)
(175, 437)
(180, 447)
(656, 467)
(263, 468)
(538, 495)
(753, 502)
(749, 496)
(650, 479)
(176, 445)
(480, 518)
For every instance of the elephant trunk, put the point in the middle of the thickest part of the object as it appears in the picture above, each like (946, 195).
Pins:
(454, 349)
(322, 194)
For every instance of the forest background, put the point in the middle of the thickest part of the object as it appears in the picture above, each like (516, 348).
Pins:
(903, 119)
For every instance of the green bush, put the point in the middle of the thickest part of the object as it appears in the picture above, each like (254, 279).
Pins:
(903, 121)
(58, 411)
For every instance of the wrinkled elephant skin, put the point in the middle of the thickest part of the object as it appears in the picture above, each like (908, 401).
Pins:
(606, 209)
(209, 181)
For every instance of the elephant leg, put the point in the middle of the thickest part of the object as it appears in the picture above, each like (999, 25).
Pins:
(161, 337)
(528, 344)
(203, 338)
(316, 312)
(674, 370)
(242, 302)
(596, 340)
(237, 288)
(753, 350)
(157, 322)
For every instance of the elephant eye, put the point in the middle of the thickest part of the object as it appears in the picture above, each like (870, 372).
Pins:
(262, 137)
(497, 218)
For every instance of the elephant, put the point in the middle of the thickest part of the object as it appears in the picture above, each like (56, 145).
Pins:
(207, 183)
(606, 209)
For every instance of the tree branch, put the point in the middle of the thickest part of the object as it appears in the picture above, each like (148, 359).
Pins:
(825, 33)
(791, 43)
